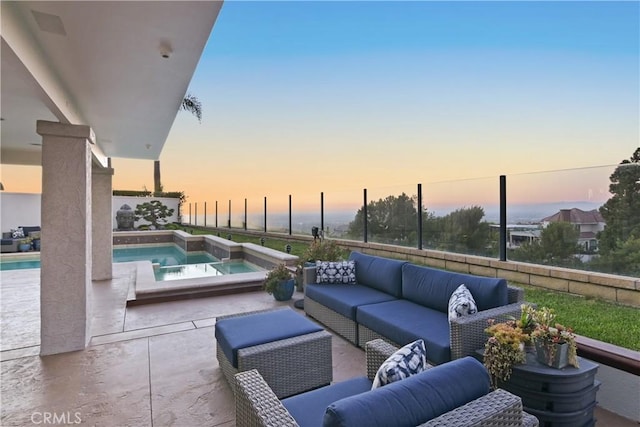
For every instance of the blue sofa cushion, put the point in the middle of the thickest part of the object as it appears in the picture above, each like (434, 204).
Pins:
(383, 274)
(432, 287)
(308, 408)
(344, 299)
(403, 321)
(414, 400)
(240, 332)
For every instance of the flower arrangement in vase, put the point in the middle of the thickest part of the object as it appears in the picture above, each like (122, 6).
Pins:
(503, 349)
(555, 343)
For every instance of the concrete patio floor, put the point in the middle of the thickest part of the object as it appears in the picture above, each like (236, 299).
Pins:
(147, 365)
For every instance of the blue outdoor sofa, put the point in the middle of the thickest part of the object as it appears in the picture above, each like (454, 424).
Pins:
(401, 302)
(9, 244)
(452, 394)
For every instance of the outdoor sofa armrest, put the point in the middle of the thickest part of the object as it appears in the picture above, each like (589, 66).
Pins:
(257, 404)
(514, 294)
(376, 352)
(498, 408)
(467, 332)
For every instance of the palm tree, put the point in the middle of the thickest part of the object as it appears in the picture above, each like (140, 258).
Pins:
(193, 105)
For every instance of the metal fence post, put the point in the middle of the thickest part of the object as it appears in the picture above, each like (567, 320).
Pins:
(419, 216)
(364, 216)
(503, 218)
(322, 212)
(289, 214)
(265, 214)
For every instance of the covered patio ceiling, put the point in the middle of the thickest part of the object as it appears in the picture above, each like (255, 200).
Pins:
(120, 67)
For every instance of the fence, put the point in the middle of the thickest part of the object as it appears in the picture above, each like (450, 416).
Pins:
(503, 217)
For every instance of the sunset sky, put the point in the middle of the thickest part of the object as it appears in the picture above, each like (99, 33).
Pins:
(301, 97)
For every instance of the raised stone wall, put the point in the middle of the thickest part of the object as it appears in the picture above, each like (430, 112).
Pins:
(621, 289)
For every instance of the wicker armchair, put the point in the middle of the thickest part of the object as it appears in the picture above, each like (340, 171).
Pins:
(257, 405)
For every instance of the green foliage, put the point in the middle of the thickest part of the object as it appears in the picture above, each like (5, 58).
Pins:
(279, 274)
(594, 318)
(460, 231)
(323, 250)
(622, 211)
(193, 105)
(154, 212)
(132, 193)
(558, 245)
(393, 219)
(624, 259)
(503, 349)
(559, 242)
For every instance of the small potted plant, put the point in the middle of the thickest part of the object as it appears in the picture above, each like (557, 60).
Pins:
(279, 283)
(555, 343)
(503, 349)
(25, 244)
(319, 250)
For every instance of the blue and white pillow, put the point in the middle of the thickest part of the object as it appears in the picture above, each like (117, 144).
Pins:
(17, 233)
(336, 272)
(409, 360)
(461, 303)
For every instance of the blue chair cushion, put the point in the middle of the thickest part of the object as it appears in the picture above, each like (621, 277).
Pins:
(308, 408)
(414, 400)
(383, 274)
(240, 332)
(403, 321)
(432, 287)
(344, 299)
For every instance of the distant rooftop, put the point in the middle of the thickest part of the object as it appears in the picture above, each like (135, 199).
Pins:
(576, 216)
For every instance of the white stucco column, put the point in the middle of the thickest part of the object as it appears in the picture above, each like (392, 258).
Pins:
(102, 223)
(65, 255)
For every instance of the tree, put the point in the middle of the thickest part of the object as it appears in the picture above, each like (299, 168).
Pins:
(622, 211)
(558, 245)
(463, 230)
(393, 219)
(193, 105)
(154, 212)
(559, 242)
(623, 260)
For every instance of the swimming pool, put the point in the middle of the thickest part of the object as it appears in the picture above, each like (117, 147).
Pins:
(171, 262)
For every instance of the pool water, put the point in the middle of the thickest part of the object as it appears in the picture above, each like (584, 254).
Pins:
(190, 271)
(173, 262)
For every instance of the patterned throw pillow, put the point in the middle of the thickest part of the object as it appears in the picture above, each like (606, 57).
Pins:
(409, 360)
(336, 272)
(17, 233)
(461, 303)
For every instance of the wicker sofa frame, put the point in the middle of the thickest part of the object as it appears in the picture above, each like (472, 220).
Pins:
(257, 404)
(284, 364)
(466, 333)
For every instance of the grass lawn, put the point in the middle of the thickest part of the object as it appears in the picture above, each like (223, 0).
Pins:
(594, 318)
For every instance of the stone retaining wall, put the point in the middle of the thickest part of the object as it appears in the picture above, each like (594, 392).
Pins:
(621, 289)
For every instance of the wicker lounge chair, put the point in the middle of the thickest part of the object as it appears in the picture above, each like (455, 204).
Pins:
(257, 405)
